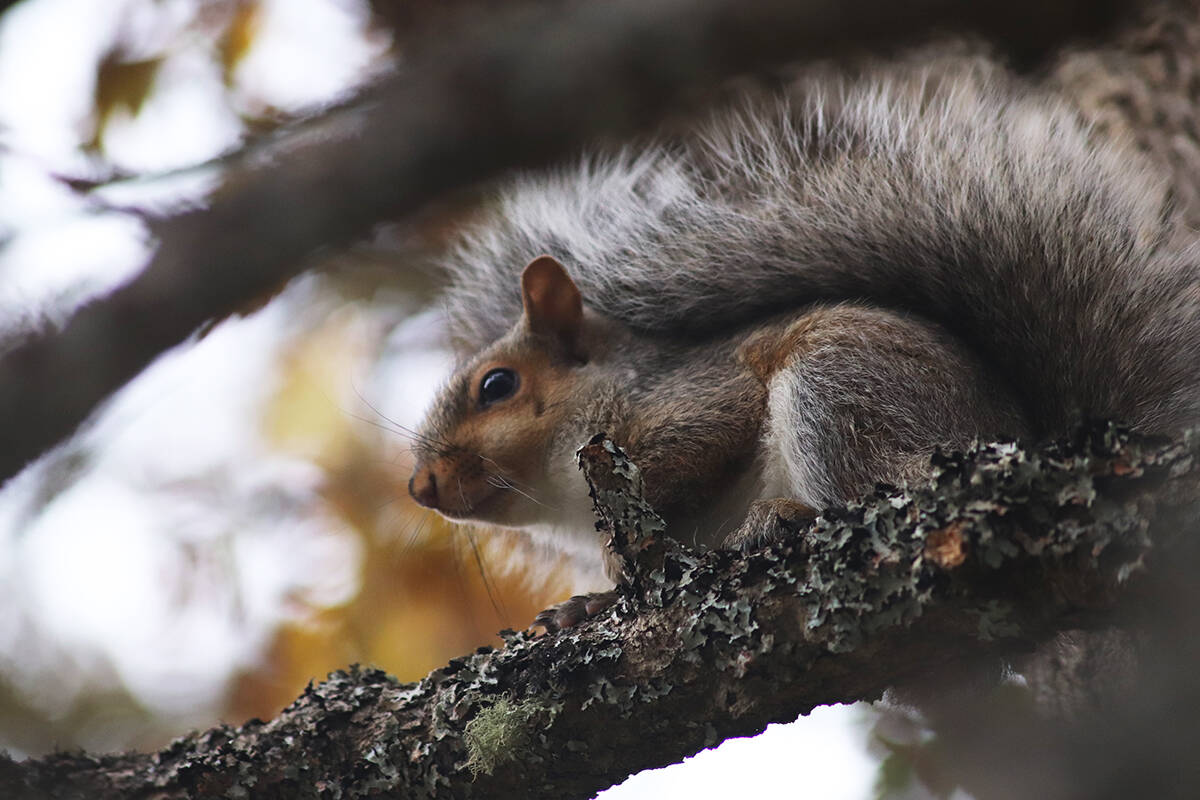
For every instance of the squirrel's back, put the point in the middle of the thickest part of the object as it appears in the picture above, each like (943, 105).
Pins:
(946, 187)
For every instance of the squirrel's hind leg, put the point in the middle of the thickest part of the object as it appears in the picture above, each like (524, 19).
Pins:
(858, 396)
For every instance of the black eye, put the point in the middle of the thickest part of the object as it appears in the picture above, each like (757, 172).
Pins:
(496, 385)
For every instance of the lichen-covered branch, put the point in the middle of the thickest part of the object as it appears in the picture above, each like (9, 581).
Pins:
(514, 88)
(1006, 549)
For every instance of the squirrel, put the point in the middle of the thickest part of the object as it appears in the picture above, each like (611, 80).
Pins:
(803, 297)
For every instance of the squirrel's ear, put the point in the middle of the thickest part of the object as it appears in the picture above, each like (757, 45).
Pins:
(553, 305)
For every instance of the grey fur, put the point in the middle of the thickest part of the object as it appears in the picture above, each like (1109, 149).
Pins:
(944, 187)
(869, 400)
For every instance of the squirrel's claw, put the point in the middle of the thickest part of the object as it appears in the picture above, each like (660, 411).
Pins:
(570, 613)
(770, 521)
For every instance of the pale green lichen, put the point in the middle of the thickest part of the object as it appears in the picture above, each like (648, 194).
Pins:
(498, 733)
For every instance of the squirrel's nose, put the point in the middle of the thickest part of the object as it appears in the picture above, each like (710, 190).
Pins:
(423, 487)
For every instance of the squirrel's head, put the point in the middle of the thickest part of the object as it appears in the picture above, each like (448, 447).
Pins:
(485, 450)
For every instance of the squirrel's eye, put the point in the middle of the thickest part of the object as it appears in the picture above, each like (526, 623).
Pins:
(496, 385)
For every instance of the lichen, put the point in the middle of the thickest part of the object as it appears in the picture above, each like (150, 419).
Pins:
(498, 733)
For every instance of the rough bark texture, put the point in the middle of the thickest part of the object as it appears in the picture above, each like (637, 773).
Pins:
(515, 89)
(1006, 549)
(1143, 86)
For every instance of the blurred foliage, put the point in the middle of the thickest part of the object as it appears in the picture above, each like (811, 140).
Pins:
(121, 85)
(418, 607)
(428, 590)
(238, 37)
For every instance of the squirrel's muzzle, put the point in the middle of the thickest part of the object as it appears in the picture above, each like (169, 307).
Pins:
(423, 487)
(454, 485)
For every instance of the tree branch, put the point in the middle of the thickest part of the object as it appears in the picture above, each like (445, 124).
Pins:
(511, 90)
(1006, 549)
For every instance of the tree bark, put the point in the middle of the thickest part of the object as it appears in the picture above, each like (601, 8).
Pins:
(1006, 548)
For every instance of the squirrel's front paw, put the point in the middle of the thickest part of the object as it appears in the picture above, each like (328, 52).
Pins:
(570, 613)
(769, 521)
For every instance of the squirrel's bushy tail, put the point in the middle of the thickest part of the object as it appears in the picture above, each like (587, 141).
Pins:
(947, 189)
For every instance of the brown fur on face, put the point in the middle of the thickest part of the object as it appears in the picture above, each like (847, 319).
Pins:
(488, 461)
(485, 461)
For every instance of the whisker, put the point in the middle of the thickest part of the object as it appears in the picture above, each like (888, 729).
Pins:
(499, 473)
(457, 560)
(396, 426)
(371, 406)
(493, 595)
(504, 484)
(437, 445)
(389, 428)
(511, 483)
(386, 503)
(413, 433)
(461, 495)
(416, 534)
(399, 430)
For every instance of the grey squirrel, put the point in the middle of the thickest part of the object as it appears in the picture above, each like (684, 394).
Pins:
(805, 296)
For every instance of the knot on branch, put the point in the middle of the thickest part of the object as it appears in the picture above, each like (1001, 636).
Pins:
(649, 558)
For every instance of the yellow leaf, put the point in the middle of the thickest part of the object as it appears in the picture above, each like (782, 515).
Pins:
(121, 84)
(239, 37)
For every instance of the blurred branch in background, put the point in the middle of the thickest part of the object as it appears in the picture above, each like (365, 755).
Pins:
(513, 89)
